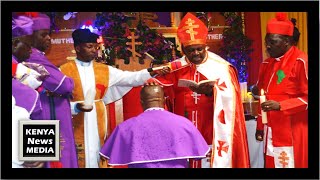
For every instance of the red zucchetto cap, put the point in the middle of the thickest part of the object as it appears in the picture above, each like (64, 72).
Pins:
(192, 30)
(280, 25)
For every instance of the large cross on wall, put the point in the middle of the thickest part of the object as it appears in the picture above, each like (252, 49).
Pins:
(133, 44)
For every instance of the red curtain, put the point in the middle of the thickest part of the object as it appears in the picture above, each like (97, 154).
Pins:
(253, 31)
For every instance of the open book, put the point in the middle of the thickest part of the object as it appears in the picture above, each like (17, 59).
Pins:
(188, 83)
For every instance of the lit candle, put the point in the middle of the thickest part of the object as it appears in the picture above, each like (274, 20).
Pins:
(91, 93)
(263, 113)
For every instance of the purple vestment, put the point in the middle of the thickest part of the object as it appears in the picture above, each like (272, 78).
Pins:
(27, 98)
(58, 106)
(155, 138)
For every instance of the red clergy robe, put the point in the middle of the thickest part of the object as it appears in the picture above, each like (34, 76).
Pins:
(196, 107)
(219, 117)
(286, 133)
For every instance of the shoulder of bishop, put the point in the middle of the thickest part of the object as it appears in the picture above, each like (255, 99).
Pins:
(217, 60)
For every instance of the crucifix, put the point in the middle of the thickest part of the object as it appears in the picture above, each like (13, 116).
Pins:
(190, 28)
(133, 44)
(196, 97)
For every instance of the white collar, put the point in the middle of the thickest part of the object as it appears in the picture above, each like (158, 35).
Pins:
(279, 58)
(81, 63)
(154, 108)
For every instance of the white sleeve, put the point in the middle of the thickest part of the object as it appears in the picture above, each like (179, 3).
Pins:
(73, 111)
(18, 113)
(121, 82)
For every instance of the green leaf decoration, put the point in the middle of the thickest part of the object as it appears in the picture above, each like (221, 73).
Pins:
(280, 75)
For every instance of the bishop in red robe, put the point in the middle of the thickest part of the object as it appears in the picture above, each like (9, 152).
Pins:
(217, 110)
(284, 78)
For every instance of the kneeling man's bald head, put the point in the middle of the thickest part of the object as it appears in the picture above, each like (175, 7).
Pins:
(152, 96)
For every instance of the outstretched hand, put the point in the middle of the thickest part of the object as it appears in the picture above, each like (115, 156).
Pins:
(165, 70)
(151, 82)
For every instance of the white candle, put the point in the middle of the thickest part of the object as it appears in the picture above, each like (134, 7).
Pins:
(263, 113)
(91, 93)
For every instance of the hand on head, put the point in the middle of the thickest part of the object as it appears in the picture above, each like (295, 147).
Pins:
(151, 83)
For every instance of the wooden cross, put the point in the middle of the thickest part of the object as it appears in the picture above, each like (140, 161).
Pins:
(283, 159)
(133, 45)
(196, 97)
(190, 28)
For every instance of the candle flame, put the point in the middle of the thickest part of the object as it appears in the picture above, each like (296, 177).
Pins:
(262, 92)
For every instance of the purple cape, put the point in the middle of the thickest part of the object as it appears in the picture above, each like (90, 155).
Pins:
(155, 137)
(27, 98)
(62, 85)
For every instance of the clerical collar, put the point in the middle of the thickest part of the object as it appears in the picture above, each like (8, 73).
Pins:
(154, 108)
(81, 63)
(279, 58)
